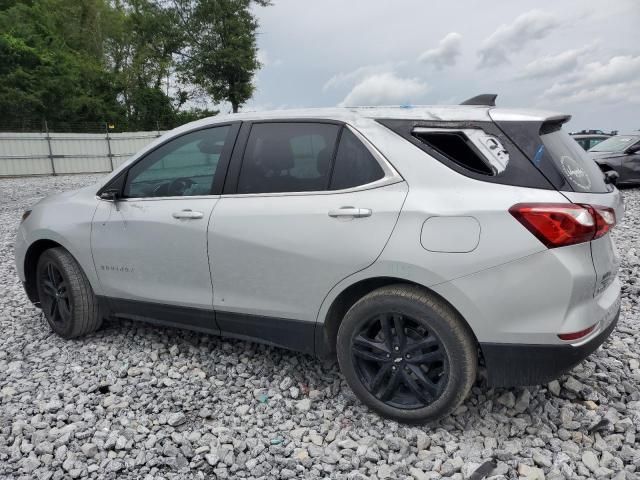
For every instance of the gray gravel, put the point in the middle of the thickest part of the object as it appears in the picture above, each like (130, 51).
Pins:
(134, 401)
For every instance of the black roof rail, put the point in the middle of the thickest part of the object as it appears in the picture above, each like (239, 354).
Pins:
(485, 99)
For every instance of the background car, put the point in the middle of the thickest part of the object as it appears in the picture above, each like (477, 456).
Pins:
(620, 154)
(590, 138)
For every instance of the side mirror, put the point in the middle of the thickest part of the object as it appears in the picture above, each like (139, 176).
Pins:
(611, 176)
(110, 195)
(633, 149)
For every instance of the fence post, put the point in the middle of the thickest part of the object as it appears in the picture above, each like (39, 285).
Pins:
(48, 137)
(106, 129)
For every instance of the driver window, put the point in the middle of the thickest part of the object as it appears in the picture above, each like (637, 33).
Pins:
(185, 166)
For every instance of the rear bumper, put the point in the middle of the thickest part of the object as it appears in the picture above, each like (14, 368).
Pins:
(510, 365)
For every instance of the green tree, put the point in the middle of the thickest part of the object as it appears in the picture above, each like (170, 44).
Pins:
(219, 53)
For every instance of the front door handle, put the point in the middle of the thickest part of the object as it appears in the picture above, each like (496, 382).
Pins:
(350, 212)
(189, 214)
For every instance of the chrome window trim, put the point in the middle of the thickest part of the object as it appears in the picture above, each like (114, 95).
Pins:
(391, 176)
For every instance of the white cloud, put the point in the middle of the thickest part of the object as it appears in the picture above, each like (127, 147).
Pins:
(385, 89)
(446, 53)
(616, 80)
(552, 65)
(528, 27)
(265, 59)
(357, 75)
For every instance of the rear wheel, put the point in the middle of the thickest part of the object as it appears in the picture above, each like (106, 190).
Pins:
(66, 297)
(407, 354)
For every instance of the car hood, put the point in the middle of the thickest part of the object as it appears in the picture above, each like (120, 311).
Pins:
(598, 155)
(65, 196)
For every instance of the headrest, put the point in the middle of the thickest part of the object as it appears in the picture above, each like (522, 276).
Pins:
(276, 154)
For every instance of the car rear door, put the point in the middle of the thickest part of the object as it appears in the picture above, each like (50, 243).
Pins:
(306, 204)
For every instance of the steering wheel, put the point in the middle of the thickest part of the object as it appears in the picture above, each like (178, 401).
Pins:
(178, 186)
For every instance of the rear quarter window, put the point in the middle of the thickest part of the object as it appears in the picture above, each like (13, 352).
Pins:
(580, 171)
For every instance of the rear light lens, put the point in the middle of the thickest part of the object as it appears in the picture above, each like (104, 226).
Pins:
(605, 219)
(562, 224)
(577, 335)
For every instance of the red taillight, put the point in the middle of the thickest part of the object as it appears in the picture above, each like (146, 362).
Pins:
(577, 335)
(605, 219)
(562, 224)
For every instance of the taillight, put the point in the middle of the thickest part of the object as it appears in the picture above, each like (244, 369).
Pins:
(562, 224)
(605, 219)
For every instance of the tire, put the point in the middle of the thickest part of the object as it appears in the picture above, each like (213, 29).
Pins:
(66, 297)
(434, 367)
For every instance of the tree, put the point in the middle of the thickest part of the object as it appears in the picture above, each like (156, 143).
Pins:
(219, 53)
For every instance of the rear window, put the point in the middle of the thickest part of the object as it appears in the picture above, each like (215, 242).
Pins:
(580, 171)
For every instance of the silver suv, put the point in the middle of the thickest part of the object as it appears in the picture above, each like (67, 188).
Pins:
(416, 245)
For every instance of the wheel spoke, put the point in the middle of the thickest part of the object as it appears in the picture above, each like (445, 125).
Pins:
(423, 381)
(415, 388)
(53, 312)
(370, 350)
(63, 308)
(426, 357)
(375, 383)
(386, 330)
(48, 288)
(424, 343)
(398, 325)
(51, 274)
(386, 391)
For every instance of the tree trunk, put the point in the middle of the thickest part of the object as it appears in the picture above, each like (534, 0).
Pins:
(234, 106)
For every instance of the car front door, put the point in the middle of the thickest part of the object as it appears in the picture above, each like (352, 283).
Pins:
(306, 204)
(150, 245)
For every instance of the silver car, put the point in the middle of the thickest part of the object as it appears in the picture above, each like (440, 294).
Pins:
(417, 245)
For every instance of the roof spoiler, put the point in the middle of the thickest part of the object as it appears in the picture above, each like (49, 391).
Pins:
(484, 99)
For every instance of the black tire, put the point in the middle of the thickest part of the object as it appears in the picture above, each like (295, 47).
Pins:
(66, 297)
(434, 367)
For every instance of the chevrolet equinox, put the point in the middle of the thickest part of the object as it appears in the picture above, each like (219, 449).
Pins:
(415, 244)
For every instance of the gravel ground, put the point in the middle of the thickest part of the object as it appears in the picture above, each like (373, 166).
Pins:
(134, 401)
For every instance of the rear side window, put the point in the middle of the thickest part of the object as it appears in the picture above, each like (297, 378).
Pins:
(457, 147)
(580, 171)
(354, 164)
(287, 157)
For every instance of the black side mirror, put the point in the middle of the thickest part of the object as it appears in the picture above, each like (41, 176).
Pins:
(110, 195)
(611, 176)
(633, 149)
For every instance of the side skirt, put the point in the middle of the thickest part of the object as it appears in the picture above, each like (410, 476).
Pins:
(296, 335)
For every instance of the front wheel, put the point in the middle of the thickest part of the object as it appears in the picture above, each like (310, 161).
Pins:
(66, 297)
(407, 354)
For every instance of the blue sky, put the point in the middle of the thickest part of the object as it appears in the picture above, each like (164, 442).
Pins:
(575, 56)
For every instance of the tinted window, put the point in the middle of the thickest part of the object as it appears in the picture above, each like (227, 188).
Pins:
(354, 164)
(287, 157)
(184, 166)
(582, 173)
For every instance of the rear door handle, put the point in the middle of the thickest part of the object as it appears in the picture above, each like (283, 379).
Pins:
(350, 212)
(188, 214)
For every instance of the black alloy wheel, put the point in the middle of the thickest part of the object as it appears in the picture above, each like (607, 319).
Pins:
(65, 294)
(401, 361)
(407, 354)
(55, 300)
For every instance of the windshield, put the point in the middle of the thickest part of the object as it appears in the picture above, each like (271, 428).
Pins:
(616, 144)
